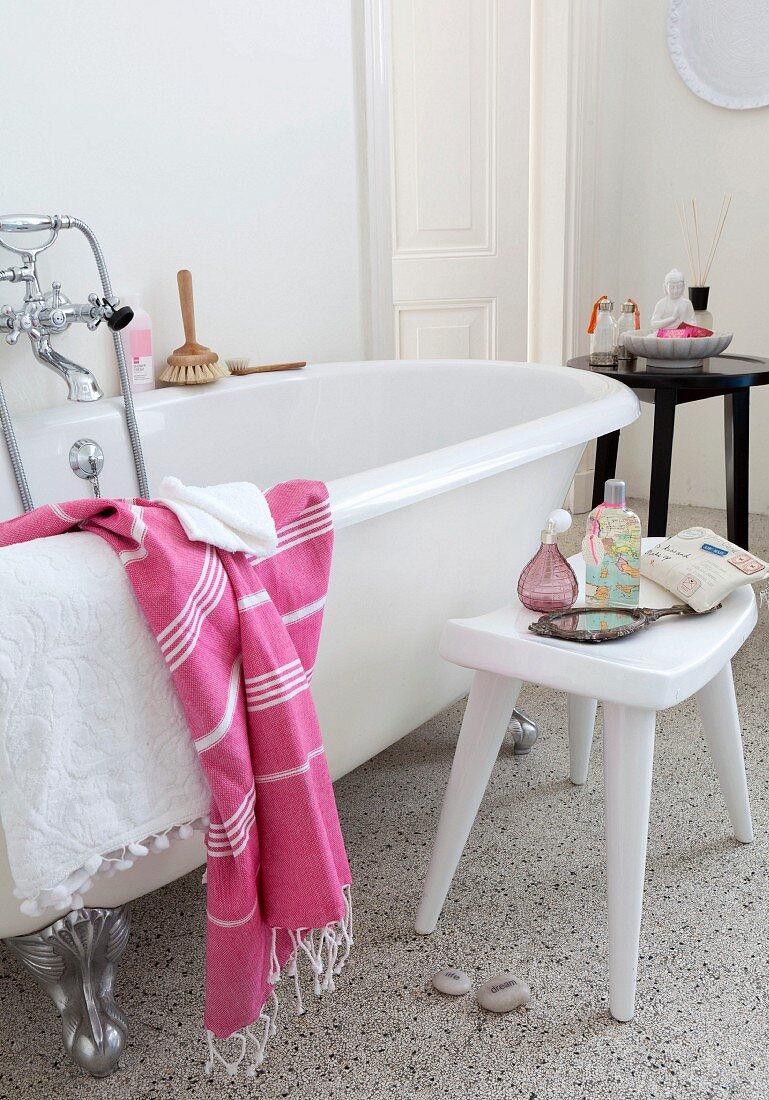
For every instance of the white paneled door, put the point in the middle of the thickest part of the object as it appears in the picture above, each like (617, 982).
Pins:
(459, 100)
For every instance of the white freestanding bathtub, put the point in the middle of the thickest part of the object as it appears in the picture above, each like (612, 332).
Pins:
(441, 476)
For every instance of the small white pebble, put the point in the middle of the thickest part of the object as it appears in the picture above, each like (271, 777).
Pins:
(503, 993)
(454, 982)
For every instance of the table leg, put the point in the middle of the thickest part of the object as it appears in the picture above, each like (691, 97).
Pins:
(628, 753)
(662, 458)
(606, 447)
(484, 725)
(737, 440)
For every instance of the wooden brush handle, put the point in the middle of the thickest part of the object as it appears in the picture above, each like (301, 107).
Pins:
(187, 302)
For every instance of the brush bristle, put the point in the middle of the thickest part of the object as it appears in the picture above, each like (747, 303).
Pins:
(194, 375)
(238, 366)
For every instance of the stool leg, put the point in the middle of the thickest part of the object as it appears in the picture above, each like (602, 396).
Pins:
(717, 705)
(581, 725)
(487, 715)
(628, 752)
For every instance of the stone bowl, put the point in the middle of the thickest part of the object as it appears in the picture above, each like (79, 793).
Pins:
(674, 353)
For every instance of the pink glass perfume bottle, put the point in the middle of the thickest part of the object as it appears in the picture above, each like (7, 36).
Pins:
(548, 583)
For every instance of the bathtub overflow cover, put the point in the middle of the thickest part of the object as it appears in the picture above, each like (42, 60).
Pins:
(86, 458)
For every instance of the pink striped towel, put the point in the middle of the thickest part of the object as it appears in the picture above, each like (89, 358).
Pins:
(239, 636)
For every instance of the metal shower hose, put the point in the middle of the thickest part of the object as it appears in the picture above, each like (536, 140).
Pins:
(125, 385)
(13, 451)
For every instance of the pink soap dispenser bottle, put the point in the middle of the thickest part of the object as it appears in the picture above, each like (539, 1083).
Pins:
(137, 345)
(548, 582)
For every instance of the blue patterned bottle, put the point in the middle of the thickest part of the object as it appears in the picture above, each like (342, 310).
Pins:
(612, 551)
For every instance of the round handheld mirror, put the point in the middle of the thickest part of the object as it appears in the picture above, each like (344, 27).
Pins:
(604, 624)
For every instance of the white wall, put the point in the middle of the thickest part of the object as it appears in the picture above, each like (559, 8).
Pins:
(219, 136)
(674, 145)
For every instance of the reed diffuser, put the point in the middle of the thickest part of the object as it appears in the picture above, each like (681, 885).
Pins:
(690, 228)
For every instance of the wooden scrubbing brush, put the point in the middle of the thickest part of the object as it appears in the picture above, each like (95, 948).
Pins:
(192, 363)
(240, 366)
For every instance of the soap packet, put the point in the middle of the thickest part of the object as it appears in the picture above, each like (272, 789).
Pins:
(701, 567)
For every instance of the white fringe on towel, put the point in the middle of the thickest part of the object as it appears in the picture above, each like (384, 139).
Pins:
(68, 892)
(327, 950)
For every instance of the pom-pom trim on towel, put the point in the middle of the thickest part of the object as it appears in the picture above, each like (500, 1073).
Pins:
(68, 892)
(326, 950)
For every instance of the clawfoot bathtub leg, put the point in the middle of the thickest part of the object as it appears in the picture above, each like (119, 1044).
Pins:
(74, 960)
(525, 732)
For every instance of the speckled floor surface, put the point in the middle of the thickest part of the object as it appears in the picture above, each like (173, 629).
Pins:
(529, 894)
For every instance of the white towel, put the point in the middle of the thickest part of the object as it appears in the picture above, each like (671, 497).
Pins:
(96, 760)
(234, 516)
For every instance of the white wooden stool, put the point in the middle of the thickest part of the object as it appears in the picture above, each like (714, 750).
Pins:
(633, 677)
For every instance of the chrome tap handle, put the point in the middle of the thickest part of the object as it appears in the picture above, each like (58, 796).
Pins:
(12, 323)
(18, 322)
(29, 316)
(56, 295)
(109, 310)
(97, 313)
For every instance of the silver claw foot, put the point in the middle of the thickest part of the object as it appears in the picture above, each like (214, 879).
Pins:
(74, 960)
(525, 732)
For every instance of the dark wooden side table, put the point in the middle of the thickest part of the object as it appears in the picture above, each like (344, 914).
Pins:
(727, 376)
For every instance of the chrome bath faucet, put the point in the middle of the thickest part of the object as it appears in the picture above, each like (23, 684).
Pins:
(45, 314)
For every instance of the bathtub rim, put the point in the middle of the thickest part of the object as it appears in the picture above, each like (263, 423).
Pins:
(606, 405)
(609, 406)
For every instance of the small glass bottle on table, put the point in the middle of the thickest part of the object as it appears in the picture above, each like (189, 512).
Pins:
(547, 582)
(603, 335)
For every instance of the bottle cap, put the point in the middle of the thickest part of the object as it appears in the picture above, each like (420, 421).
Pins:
(614, 492)
(628, 307)
(606, 304)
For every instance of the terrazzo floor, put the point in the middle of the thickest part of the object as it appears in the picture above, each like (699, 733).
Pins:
(529, 894)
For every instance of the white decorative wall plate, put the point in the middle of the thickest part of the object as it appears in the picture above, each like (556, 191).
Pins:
(721, 50)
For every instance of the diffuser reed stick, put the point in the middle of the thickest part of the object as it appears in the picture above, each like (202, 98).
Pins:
(725, 204)
(682, 222)
(691, 236)
(697, 238)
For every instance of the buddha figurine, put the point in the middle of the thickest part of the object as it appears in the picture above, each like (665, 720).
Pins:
(674, 309)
